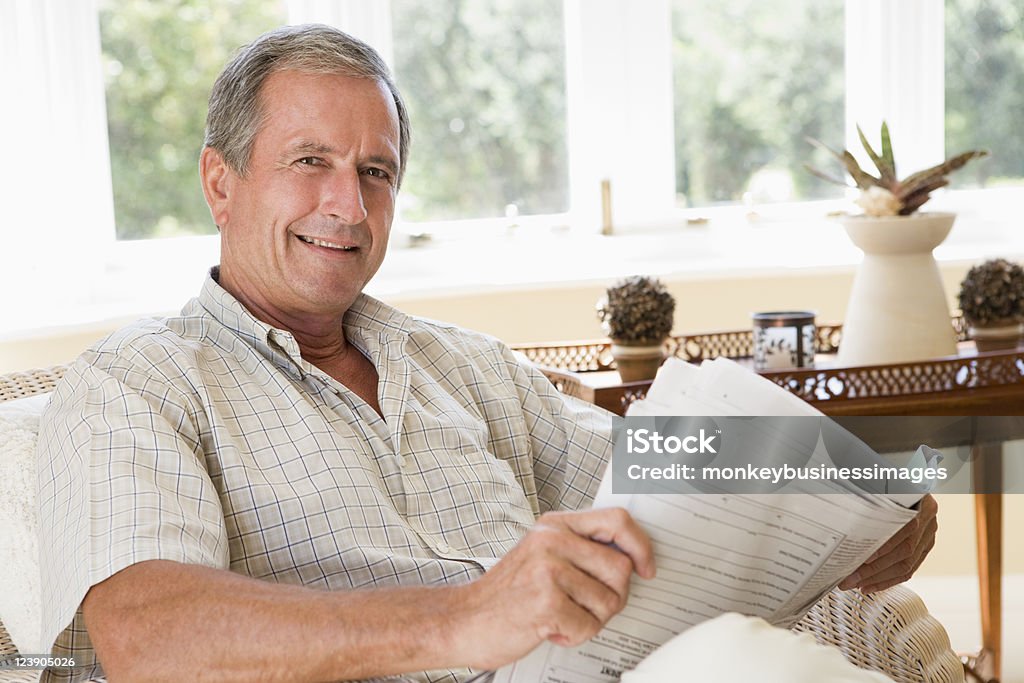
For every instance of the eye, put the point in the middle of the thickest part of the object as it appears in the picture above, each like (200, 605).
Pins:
(378, 173)
(310, 161)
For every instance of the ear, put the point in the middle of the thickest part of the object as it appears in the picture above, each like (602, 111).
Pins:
(216, 178)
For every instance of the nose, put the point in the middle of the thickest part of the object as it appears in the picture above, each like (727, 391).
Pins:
(343, 197)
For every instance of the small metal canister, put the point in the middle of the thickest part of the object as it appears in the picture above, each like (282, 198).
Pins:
(784, 339)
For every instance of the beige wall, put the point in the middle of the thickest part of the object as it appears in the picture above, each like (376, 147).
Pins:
(558, 312)
(702, 303)
(954, 551)
(567, 312)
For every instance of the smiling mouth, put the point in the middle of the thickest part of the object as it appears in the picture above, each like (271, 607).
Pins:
(324, 243)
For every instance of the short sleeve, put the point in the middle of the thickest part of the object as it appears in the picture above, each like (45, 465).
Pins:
(570, 439)
(121, 480)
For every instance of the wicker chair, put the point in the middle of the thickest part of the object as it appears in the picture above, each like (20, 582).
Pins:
(890, 631)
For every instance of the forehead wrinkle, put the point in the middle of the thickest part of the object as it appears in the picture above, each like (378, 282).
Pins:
(312, 147)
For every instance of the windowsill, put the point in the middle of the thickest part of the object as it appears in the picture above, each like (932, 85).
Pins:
(156, 277)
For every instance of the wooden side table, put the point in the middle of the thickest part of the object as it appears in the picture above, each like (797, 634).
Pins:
(968, 384)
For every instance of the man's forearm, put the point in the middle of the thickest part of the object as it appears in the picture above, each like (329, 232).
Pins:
(161, 620)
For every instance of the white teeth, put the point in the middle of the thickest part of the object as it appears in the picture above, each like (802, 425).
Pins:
(322, 243)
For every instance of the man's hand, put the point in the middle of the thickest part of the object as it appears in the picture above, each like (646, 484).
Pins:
(562, 582)
(901, 555)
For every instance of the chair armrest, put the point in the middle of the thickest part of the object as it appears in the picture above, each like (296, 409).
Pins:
(890, 631)
(566, 382)
(6, 649)
(30, 382)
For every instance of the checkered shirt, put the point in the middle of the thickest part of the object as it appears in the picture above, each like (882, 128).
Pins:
(207, 439)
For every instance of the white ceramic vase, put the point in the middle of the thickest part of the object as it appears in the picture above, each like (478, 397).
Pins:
(898, 310)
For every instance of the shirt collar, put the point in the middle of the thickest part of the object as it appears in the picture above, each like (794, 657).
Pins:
(365, 315)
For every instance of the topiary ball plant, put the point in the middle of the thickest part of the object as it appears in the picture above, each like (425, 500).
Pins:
(636, 313)
(992, 301)
(637, 310)
(993, 293)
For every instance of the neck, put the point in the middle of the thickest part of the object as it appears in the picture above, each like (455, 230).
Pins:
(320, 336)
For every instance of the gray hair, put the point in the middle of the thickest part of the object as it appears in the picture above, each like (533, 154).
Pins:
(236, 114)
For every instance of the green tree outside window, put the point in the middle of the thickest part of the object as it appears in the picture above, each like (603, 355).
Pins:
(160, 60)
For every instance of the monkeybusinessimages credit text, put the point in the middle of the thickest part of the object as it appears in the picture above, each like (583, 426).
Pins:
(762, 454)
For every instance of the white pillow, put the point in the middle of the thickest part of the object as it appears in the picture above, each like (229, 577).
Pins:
(733, 647)
(20, 601)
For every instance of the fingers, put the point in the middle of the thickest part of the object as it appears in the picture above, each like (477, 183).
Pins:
(562, 582)
(572, 574)
(594, 604)
(927, 511)
(600, 568)
(901, 555)
(612, 526)
(598, 551)
(568, 622)
(880, 583)
(899, 543)
(901, 566)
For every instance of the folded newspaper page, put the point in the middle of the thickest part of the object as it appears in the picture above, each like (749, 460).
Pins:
(771, 555)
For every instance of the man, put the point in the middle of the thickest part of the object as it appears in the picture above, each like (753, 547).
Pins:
(292, 481)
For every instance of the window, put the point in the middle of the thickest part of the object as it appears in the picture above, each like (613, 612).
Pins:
(985, 89)
(160, 60)
(519, 107)
(487, 104)
(485, 85)
(753, 80)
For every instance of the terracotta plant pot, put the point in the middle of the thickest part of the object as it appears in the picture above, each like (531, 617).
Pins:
(638, 362)
(1001, 335)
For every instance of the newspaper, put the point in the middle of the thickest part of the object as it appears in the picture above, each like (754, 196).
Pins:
(766, 555)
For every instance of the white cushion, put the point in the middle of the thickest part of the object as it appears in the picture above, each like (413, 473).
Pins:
(20, 603)
(733, 647)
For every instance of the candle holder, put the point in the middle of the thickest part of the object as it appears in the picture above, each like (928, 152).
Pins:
(784, 339)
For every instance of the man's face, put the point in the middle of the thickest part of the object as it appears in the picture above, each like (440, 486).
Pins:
(308, 226)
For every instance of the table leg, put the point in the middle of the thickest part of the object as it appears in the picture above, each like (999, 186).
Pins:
(988, 513)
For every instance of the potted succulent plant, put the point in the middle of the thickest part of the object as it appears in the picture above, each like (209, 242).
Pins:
(992, 300)
(885, 194)
(898, 310)
(636, 314)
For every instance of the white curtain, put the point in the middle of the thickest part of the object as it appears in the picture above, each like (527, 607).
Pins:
(894, 58)
(57, 216)
(368, 21)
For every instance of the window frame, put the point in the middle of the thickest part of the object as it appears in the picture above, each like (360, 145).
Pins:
(618, 78)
